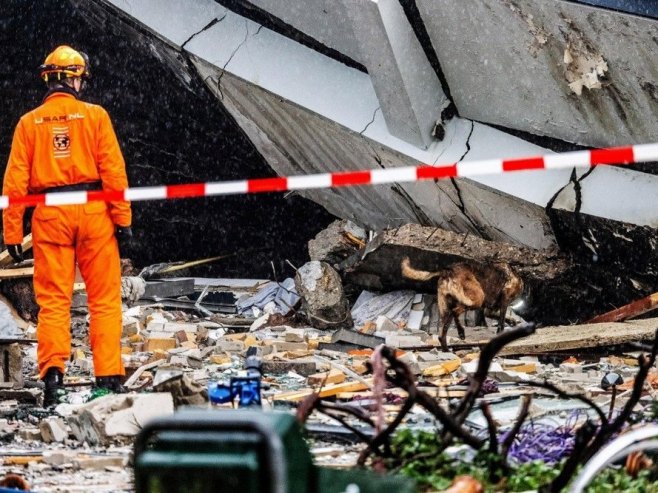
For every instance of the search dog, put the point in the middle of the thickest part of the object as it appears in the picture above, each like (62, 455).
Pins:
(468, 286)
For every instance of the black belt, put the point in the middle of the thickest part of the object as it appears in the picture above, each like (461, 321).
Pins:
(78, 187)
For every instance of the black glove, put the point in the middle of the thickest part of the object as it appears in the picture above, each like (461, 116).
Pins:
(16, 252)
(124, 235)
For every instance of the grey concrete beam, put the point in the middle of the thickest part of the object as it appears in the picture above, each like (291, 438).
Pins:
(559, 69)
(407, 87)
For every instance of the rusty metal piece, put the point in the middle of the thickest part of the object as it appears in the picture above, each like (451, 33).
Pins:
(636, 462)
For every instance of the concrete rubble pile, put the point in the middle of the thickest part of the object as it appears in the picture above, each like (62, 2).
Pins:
(314, 333)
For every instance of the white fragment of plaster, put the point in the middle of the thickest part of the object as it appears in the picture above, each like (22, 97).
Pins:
(583, 69)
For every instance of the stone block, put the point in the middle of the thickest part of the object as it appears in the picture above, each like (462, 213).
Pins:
(403, 341)
(131, 326)
(53, 429)
(356, 338)
(30, 434)
(571, 367)
(280, 345)
(153, 344)
(294, 335)
(116, 419)
(160, 334)
(171, 327)
(228, 346)
(58, 457)
(183, 389)
(304, 367)
(99, 463)
(30, 396)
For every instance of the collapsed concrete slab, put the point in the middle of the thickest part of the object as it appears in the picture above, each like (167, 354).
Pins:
(336, 242)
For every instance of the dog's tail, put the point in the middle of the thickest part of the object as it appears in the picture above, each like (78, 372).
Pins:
(417, 275)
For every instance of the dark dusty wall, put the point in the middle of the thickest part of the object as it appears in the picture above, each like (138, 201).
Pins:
(169, 133)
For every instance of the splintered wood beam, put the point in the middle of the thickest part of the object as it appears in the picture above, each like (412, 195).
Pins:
(634, 309)
(5, 258)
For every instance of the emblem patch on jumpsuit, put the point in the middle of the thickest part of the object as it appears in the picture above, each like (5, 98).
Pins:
(61, 142)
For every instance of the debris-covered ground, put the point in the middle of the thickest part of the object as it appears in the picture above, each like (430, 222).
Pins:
(362, 369)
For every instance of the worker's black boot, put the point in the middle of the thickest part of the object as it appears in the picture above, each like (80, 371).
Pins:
(112, 384)
(54, 381)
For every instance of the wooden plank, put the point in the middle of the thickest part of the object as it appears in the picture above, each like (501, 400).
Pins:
(16, 273)
(442, 368)
(21, 460)
(632, 310)
(327, 391)
(5, 258)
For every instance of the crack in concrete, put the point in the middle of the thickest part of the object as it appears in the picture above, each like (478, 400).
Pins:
(205, 28)
(416, 210)
(374, 114)
(377, 157)
(452, 138)
(460, 204)
(468, 142)
(221, 74)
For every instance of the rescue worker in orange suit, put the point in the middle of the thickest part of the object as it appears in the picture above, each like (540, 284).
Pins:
(66, 145)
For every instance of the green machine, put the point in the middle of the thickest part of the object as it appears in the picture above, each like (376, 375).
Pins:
(241, 451)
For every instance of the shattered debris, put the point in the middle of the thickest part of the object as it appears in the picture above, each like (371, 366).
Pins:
(318, 345)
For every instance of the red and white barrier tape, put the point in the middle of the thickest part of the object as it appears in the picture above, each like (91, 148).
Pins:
(579, 159)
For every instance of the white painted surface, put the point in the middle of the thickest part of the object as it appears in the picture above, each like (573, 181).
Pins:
(173, 20)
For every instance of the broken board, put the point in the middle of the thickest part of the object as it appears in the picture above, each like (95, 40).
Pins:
(584, 336)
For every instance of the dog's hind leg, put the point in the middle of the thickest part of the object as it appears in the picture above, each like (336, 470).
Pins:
(445, 323)
(444, 317)
(456, 312)
(501, 318)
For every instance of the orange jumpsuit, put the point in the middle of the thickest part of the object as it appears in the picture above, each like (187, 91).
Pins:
(67, 142)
